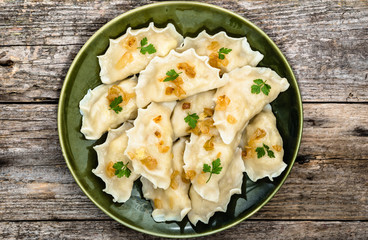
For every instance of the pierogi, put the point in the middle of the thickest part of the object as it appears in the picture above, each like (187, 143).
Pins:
(236, 104)
(150, 144)
(229, 185)
(205, 147)
(175, 77)
(98, 117)
(224, 52)
(261, 133)
(171, 204)
(110, 153)
(201, 103)
(130, 53)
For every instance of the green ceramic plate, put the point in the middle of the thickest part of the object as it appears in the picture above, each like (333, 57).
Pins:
(189, 18)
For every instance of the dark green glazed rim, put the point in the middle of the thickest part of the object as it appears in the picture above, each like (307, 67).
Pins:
(189, 18)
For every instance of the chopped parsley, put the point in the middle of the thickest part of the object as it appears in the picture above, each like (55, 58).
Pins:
(215, 169)
(114, 105)
(223, 51)
(259, 86)
(191, 119)
(146, 49)
(261, 151)
(171, 75)
(122, 169)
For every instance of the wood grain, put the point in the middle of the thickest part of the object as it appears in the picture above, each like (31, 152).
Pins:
(254, 230)
(325, 43)
(36, 184)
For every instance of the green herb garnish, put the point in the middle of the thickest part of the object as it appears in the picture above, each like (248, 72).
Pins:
(216, 168)
(146, 49)
(223, 51)
(261, 151)
(114, 105)
(171, 75)
(121, 169)
(191, 119)
(259, 86)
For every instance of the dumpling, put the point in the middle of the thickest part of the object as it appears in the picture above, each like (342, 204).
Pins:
(130, 53)
(176, 76)
(207, 147)
(98, 116)
(173, 203)
(217, 48)
(109, 153)
(264, 147)
(243, 97)
(230, 184)
(201, 103)
(150, 143)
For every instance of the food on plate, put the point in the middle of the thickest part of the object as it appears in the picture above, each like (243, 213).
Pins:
(150, 144)
(200, 104)
(107, 106)
(225, 53)
(229, 185)
(171, 204)
(263, 147)
(196, 175)
(176, 76)
(114, 167)
(206, 159)
(248, 91)
(130, 53)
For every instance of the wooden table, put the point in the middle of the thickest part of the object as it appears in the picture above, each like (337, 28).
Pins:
(326, 194)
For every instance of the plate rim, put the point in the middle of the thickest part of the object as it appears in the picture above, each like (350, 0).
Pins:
(62, 97)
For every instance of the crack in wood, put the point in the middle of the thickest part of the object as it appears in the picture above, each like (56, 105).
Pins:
(6, 63)
(360, 132)
(301, 159)
(315, 122)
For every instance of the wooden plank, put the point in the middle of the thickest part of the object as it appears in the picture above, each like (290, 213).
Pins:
(335, 131)
(329, 182)
(331, 131)
(43, 67)
(246, 230)
(325, 42)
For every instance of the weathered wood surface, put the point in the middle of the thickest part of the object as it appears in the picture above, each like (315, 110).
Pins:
(326, 43)
(326, 194)
(254, 230)
(333, 161)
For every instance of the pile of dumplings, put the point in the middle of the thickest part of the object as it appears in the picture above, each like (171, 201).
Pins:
(188, 116)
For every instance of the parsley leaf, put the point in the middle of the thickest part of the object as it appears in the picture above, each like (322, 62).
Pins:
(255, 89)
(223, 51)
(191, 119)
(114, 105)
(270, 154)
(144, 41)
(206, 168)
(259, 86)
(171, 75)
(266, 89)
(261, 151)
(146, 49)
(216, 168)
(122, 169)
(258, 81)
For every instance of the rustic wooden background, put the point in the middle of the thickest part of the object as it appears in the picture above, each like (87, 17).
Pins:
(326, 194)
